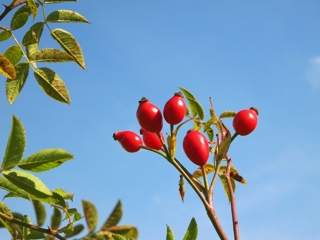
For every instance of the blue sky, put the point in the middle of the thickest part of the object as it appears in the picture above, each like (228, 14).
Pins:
(242, 53)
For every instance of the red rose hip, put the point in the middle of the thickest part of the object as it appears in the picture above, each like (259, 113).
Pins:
(175, 109)
(129, 140)
(245, 121)
(196, 147)
(151, 139)
(149, 116)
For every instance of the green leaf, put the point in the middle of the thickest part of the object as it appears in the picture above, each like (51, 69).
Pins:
(69, 44)
(225, 144)
(40, 212)
(170, 235)
(14, 191)
(28, 182)
(45, 160)
(75, 231)
(192, 231)
(7, 68)
(32, 49)
(4, 35)
(227, 114)
(91, 215)
(118, 237)
(11, 188)
(115, 216)
(33, 35)
(65, 15)
(51, 55)
(194, 106)
(56, 218)
(36, 235)
(14, 86)
(33, 7)
(127, 231)
(52, 84)
(15, 145)
(63, 194)
(20, 18)
(58, 1)
(224, 182)
(73, 212)
(14, 54)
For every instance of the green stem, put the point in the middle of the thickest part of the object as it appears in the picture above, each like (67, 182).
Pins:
(205, 180)
(234, 137)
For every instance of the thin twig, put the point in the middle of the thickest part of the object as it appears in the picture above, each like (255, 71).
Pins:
(33, 227)
(207, 204)
(235, 222)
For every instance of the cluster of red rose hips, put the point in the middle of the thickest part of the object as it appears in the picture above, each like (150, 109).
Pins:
(195, 144)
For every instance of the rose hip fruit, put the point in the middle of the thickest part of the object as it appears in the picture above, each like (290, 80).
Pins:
(175, 109)
(245, 121)
(149, 116)
(196, 147)
(129, 140)
(151, 139)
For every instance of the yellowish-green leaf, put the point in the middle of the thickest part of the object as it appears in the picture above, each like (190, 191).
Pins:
(69, 44)
(52, 84)
(14, 54)
(209, 168)
(51, 55)
(14, 86)
(228, 114)
(234, 174)
(28, 183)
(5, 210)
(126, 231)
(7, 69)
(45, 160)
(20, 17)
(4, 35)
(65, 15)
(32, 49)
(91, 215)
(33, 35)
(33, 7)
(15, 145)
(224, 182)
(170, 234)
(115, 216)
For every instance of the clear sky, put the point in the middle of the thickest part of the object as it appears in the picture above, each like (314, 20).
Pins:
(242, 53)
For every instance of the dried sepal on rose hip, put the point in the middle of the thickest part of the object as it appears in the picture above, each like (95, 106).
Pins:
(245, 121)
(196, 147)
(175, 109)
(129, 140)
(151, 139)
(149, 116)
